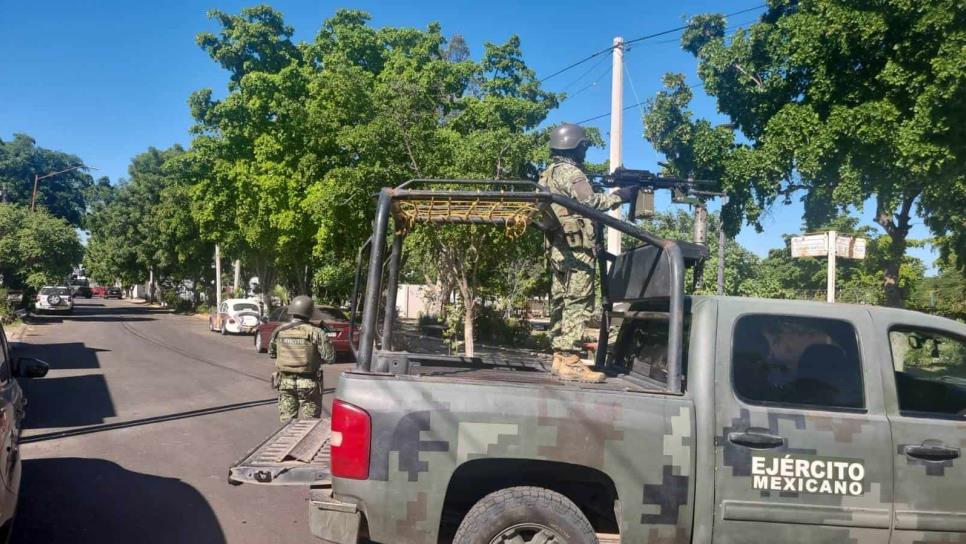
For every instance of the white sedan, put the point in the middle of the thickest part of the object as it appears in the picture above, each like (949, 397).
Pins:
(54, 299)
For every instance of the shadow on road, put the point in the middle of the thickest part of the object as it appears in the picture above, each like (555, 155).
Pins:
(78, 501)
(146, 421)
(68, 355)
(69, 401)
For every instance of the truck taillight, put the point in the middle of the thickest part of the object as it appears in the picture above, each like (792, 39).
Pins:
(351, 435)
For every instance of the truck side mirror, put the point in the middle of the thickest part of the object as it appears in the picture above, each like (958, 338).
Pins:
(31, 367)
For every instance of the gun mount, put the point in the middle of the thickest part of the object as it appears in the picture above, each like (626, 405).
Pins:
(685, 190)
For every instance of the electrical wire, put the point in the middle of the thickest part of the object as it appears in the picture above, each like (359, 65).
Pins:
(637, 40)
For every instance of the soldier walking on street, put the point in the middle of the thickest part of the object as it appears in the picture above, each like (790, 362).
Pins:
(299, 349)
(572, 249)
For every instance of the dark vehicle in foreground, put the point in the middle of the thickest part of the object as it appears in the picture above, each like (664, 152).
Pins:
(113, 292)
(330, 318)
(12, 408)
(722, 419)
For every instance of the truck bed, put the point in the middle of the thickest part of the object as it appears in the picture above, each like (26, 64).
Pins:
(296, 454)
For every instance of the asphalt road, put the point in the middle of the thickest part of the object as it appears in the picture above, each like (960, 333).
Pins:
(130, 435)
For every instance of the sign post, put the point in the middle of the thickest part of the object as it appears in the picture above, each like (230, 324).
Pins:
(830, 245)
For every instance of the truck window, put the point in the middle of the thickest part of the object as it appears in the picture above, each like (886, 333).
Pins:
(801, 361)
(930, 372)
(642, 346)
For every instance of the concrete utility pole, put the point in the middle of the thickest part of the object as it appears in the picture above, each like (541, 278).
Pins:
(234, 286)
(217, 277)
(830, 287)
(700, 234)
(616, 132)
(721, 259)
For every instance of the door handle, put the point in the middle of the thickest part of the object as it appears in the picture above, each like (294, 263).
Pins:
(931, 452)
(756, 440)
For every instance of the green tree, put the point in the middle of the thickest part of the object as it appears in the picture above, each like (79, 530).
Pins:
(36, 248)
(741, 274)
(143, 225)
(839, 120)
(63, 195)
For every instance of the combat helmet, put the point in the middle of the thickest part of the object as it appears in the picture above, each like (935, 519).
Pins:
(568, 137)
(302, 307)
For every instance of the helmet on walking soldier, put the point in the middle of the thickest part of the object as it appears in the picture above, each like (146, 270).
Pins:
(568, 137)
(302, 307)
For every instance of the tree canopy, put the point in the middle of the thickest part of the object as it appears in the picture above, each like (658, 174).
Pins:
(839, 102)
(63, 195)
(36, 248)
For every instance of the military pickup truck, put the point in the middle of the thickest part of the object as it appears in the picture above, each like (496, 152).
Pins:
(724, 420)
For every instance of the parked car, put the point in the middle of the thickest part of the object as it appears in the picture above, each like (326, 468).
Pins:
(54, 299)
(99, 291)
(12, 407)
(330, 318)
(235, 316)
(113, 292)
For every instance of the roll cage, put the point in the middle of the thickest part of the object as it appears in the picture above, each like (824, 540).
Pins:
(651, 272)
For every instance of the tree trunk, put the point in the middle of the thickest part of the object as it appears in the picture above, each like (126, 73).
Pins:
(897, 227)
(468, 319)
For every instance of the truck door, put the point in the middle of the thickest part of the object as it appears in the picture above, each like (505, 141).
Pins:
(926, 402)
(803, 451)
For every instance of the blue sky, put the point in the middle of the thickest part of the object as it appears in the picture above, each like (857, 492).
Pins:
(107, 79)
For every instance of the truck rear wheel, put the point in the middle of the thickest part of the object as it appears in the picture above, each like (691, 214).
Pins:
(525, 515)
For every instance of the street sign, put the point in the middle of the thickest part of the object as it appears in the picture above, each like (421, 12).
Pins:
(810, 245)
(829, 244)
(849, 247)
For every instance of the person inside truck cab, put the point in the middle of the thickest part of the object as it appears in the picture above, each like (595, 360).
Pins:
(572, 249)
(784, 360)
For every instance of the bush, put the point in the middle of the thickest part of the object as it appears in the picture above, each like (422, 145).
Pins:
(172, 299)
(6, 310)
(492, 327)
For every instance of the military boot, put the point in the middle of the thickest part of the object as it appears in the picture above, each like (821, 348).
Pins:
(557, 358)
(573, 369)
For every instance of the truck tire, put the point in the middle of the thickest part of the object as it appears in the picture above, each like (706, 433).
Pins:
(525, 514)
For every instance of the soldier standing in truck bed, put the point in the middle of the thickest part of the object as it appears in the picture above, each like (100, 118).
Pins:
(299, 349)
(572, 249)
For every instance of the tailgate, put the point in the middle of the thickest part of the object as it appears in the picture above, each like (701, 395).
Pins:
(296, 454)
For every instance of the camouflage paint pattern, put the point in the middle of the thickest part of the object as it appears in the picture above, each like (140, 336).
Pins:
(424, 429)
(930, 501)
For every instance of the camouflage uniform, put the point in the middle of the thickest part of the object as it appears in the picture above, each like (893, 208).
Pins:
(572, 253)
(299, 349)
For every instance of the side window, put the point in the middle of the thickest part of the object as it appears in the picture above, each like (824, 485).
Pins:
(643, 346)
(800, 361)
(930, 372)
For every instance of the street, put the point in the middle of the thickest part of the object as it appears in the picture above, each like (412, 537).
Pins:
(130, 435)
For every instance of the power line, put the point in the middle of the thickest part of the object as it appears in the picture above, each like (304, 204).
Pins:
(636, 40)
(685, 27)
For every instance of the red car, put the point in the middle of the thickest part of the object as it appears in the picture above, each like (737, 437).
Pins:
(328, 317)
